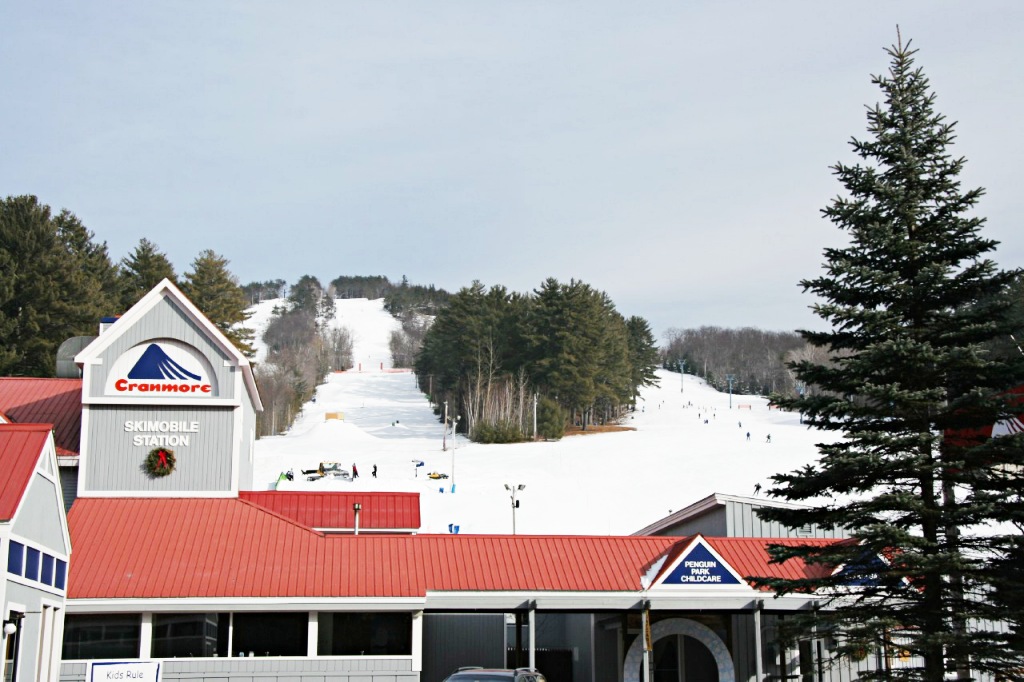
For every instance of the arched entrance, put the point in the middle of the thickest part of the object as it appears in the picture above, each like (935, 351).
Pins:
(680, 626)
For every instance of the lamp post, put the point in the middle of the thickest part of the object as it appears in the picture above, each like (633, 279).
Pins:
(730, 378)
(455, 424)
(444, 432)
(800, 388)
(512, 490)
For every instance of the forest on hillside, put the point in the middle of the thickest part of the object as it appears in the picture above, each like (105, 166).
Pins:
(491, 355)
(752, 360)
(486, 352)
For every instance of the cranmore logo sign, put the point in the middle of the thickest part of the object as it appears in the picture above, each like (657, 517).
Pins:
(159, 369)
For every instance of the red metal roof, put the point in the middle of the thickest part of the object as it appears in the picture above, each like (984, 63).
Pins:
(46, 401)
(20, 447)
(749, 556)
(173, 548)
(334, 510)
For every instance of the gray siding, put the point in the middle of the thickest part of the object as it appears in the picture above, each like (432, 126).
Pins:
(68, 486)
(607, 650)
(744, 522)
(451, 640)
(40, 514)
(114, 463)
(712, 524)
(272, 670)
(743, 646)
(245, 456)
(579, 630)
(164, 321)
(31, 626)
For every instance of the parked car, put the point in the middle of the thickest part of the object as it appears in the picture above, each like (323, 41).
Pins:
(474, 674)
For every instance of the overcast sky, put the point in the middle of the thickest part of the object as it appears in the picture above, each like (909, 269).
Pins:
(673, 154)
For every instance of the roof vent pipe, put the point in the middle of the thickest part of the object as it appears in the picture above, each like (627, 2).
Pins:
(356, 507)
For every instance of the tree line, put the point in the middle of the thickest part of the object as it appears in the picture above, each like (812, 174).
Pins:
(754, 358)
(57, 282)
(490, 352)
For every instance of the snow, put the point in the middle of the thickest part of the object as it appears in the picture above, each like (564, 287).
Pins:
(687, 444)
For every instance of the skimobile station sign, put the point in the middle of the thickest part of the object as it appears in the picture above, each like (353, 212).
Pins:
(163, 370)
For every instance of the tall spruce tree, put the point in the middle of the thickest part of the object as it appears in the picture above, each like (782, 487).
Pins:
(643, 355)
(912, 302)
(55, 283)
(141, 270)
(216, 292)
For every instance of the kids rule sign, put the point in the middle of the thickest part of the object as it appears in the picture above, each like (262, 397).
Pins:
(700, 567)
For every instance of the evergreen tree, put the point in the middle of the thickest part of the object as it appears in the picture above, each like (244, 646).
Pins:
(141, 270)
(216, 292)
(911, 301)
(643, 355)
(307, 294)
(55, 283)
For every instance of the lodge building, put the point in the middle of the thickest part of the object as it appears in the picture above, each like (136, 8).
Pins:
(170, 566)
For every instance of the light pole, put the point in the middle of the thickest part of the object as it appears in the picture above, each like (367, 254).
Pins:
(800, 387)
(513, 489)
(455, 424)
(730, 378)
(682, 375)
(444, 432)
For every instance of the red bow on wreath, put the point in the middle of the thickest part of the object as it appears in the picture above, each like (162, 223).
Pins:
(163, 458)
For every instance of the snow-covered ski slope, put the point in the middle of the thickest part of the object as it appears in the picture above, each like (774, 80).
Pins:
(687, 444)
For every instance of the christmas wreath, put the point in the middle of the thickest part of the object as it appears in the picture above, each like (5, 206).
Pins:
(159, 462)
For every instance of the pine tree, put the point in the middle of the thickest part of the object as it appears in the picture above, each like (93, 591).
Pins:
(216, 292)
(142, 270)
(911, 302)
(55, 283)
(643, 355)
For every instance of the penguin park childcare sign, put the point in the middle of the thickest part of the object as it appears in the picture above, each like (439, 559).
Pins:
(699, 566)
(161, 369)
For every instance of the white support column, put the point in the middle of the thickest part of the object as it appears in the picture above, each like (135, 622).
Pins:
(312, 633)
(146, 636)
(231, 634)
(758, 653)
(533, 634)
(417, 641)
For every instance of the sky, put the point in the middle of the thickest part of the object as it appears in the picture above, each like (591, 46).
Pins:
(687, 443)
(675, 155)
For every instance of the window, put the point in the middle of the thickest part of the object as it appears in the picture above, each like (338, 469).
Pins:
(364, 634)
(16, 558)
(180, 635)
(60, 574)
(102, 636)
(47, 575)
(31, 563)
(270, 634)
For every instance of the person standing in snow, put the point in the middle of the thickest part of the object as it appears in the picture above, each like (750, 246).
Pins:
(374, 471)
(355, 472)
(768, 439)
